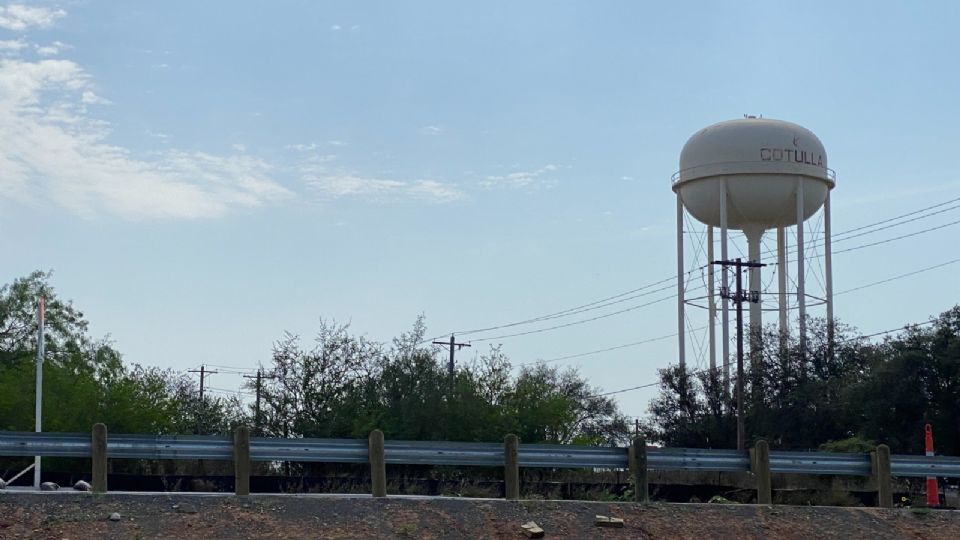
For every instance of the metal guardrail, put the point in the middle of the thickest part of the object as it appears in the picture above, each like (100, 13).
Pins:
(904, 465)
(820, 463)
(318, 450)
(695, 459)
(462, 454)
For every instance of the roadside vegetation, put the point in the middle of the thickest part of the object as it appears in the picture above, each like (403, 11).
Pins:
(845, 394)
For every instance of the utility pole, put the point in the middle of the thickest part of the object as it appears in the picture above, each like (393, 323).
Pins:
(38, 414)
(739, 298)
(203, 373)
(259, 377)
(453, 346)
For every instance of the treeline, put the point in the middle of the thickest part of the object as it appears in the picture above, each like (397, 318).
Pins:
(845, 393)
(85, 380)
(341, 385)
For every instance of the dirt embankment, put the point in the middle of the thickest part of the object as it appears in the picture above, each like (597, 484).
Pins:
(77, 516)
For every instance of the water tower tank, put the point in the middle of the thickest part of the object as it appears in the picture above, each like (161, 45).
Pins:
(753, 174)
(761, 161)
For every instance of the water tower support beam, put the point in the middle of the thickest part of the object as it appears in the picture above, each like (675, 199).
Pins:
(711, 304)
(828, 268)
(782, 280)
(801, 291)
(725, 284)
(681, 335)
(754, 236)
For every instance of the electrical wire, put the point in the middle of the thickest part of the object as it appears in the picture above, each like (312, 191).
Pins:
(908, 214)
(598, 351)
(855, 338)
(901, 237)
(571, 311)
(598, 304)
(894, 278)
(604, 316)
(660, 338)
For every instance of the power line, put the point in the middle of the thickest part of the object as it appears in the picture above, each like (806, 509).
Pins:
(908, 214)
(237, 369)
(575, 311)
(608, 349)
(571, 311)
(598, 317)
(894, 278)
(598, 304)
(901, 237)
(847, 236)
(696, 372)
(659, 338)
(633, 308)
(227, 391)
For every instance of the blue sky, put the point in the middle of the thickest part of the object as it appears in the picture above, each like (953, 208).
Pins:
(202, 176)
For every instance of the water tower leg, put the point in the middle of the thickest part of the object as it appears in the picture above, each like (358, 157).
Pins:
(725, 335)
(681, 337)
(828, 269)
(711, 304)
(782, 282)
(801, 291)
(756, 308)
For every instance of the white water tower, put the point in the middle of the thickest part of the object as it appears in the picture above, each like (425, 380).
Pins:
(753, 175)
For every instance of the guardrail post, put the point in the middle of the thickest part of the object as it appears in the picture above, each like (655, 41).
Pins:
(98, 455)
(638, 469)
(881, 475)
(378, 464)
(511, 467)
(761, 469)
(241, 460)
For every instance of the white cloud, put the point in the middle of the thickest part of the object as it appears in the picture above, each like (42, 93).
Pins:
(12, 45)
(339, 185)
(53, 49)
(303, 147)
(18, 17)
(434, 191)
(336, 27)
(157, 134)
(51, 151)
(431, 130)
(311, 146)
(90, 98)
(521, 179)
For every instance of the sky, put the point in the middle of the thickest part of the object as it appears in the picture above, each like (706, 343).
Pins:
(202, 177)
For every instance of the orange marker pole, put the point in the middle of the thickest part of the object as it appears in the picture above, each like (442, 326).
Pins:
(933, 491)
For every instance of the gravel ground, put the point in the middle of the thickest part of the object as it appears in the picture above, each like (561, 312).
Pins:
(82, 516)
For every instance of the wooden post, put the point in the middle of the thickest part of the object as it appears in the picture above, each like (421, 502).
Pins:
(511, 467)
(241, 460)
(761, 468)
(638, 469)
(881, 474)
(98, 454)
(378, 464)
